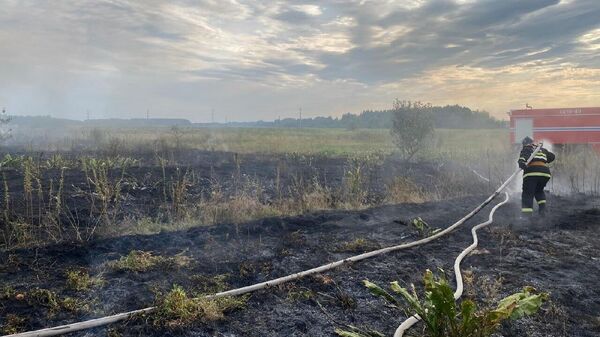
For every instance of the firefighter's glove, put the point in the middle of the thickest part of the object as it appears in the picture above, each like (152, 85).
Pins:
(522, 165)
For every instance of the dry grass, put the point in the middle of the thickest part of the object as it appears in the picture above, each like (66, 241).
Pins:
(13, 324)
(176, 309)
(142, 261)
(357, 245)
(403, 190)
(80, 280)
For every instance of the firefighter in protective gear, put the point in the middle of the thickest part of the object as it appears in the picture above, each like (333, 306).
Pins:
(536, 175)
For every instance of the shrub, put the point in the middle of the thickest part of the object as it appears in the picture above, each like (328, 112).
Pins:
(411, 125)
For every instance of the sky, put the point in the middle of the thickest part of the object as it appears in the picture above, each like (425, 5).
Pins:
(251, 60)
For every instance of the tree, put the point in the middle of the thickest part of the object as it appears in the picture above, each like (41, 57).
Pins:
(5, 131)
(412, 124)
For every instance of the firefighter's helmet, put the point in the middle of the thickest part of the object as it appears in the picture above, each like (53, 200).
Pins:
(527, 141)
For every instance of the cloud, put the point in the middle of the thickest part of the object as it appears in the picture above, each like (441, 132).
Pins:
(120, 57)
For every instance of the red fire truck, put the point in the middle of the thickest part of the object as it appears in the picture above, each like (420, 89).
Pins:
(557, 126)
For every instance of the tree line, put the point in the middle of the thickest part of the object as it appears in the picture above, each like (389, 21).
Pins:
(448, 117)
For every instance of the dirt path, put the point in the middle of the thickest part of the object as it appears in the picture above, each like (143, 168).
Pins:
(559, 256)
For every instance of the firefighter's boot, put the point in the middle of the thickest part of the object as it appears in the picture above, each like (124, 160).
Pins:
(542, 207)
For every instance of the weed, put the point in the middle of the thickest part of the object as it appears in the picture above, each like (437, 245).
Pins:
(357, 245)
(356, 332)
(7, 292)
(210, 284)
(13, 324)
(113, 332)
(176, 309)
(6, 211)
(80, 280)
(45, 298)
(442, 316)
(142, 261)
(403, 190)
(355, 183)
(74, 305)
(423, 227)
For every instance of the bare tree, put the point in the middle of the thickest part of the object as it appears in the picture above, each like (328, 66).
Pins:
(412, 124)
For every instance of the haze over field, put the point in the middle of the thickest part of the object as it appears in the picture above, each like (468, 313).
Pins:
(252, 60)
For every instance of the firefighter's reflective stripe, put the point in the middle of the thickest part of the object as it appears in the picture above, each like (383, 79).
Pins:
(541, 202)
(523, 159)
(527, 210)
(537, 174)
(540, 156)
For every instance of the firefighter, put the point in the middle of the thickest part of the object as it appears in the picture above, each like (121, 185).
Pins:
(536, 175)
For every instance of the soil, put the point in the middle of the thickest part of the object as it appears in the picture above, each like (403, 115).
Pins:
(559, 255)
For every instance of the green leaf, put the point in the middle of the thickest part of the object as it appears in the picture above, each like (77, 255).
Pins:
(521, 304)
(412, 300)
(358, 333)
(378, 291)
(345, 333)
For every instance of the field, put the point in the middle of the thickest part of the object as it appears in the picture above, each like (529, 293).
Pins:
(332, 142)
(93, 219)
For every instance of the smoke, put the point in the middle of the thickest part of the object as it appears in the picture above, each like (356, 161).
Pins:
(548, 145)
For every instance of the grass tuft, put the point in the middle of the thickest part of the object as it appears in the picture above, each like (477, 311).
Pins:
(357, 245)
(176, 309)
(13, 324)
(80, 280)
(142, 261)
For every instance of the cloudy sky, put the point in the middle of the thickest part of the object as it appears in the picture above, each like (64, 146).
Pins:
(251, 60)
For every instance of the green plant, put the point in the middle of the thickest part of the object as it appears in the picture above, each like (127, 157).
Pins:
(179, 193)
(6, 199)
(45, 298)
(176, 309)
(357, 332)
(357, 245)
(80, 280)
(210, 284)
(423, 227)
(13, 324)
(355, 182)
(57, 161)
(106, 187)
(443, 317)
(412, 124)
(141, 261)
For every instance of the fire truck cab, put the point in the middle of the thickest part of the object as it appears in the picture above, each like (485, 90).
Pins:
(558, 126)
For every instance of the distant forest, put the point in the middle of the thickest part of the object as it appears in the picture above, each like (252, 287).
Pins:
(449, 117)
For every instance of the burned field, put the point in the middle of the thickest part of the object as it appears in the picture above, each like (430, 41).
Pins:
(60, 283)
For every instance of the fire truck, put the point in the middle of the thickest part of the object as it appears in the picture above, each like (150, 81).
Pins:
(558, 126)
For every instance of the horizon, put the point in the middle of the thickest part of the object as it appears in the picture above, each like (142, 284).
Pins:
(247, 61)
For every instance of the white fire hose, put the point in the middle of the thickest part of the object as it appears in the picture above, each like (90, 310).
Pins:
(63, 329)
(409, 322)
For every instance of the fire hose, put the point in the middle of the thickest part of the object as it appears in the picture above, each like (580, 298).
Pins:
(409, 322)
(102, 321)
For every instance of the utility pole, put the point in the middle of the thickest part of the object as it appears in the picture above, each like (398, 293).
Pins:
(87, 114)
(300, 120)
(147, 113)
